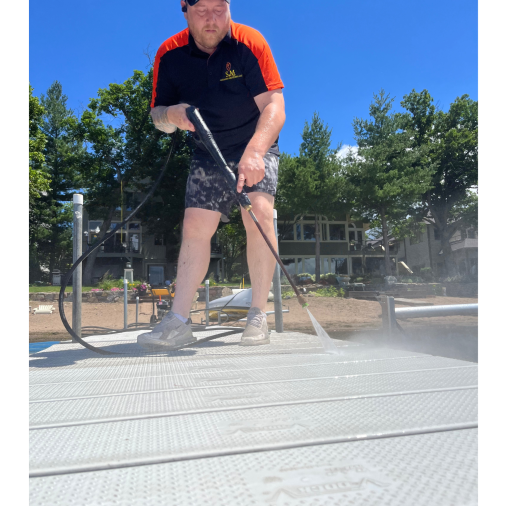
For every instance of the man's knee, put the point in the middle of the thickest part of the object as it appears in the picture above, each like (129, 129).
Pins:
(263, 205)
(200, 223)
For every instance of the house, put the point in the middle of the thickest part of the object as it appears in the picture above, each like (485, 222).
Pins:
(424, 250)
(343, 248)
(146, 253)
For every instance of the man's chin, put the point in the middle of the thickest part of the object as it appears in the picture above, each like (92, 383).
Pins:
(211, 41)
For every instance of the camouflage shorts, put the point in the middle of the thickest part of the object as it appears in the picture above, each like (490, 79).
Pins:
(207, 188)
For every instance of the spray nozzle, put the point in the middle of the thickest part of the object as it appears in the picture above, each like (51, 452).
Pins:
(302, 301)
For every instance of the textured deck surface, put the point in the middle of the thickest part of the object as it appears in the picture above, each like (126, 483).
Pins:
(220, 424)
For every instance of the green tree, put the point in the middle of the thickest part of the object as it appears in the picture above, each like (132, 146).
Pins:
(124, 157)
(312, 183)
(50, 244)
(387, 175)
(450, 141)
(38, 179)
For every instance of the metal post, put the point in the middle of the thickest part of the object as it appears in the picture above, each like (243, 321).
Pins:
(207, 302)
(125, 303)
(388, 314)
(136, 309)
(276, 284)
(77, 277)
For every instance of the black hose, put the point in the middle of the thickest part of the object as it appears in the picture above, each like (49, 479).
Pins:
(89, 251)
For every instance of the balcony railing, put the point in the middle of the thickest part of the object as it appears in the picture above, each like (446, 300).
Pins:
(363, 248)
(118, 248)
(215, 249)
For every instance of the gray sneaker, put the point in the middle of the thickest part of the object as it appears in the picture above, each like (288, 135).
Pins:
(256, 331)
(170, 334)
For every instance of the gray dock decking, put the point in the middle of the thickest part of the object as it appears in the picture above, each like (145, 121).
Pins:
(220, 424)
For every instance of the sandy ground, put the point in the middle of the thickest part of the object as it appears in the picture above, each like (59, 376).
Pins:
(341, 318)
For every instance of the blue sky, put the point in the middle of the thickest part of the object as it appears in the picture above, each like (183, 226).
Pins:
(332, 55)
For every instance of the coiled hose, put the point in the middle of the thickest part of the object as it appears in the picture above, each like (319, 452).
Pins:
(89, 251)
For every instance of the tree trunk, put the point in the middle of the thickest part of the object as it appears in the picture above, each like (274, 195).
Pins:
(449, 263)
(384, 228)
(317, 251)
(52, 251)
(90, 261)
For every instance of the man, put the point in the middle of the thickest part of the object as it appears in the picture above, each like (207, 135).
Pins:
(227, 71)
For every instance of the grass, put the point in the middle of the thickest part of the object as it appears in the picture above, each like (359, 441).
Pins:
(246, 285)
(38, 289)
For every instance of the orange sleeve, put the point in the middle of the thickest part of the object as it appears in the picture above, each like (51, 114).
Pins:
(262, 55)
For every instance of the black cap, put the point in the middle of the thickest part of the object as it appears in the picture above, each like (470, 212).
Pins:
(193, 2)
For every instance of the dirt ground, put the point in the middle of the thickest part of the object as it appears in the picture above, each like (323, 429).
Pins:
(341, 318)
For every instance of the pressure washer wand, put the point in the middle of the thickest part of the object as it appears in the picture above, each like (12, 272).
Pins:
(206, 137)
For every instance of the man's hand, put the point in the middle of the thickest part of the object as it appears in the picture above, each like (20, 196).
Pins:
(251, 169)
(168, 119)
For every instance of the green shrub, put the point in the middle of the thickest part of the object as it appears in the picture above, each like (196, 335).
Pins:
(329, 278)
(212, 281)
(287, 295)
(304, 278)
(436, 289)
(108, 282)
(331, 291)
(427, 274)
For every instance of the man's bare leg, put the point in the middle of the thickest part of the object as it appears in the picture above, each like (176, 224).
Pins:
(198, 227)
(261, 261)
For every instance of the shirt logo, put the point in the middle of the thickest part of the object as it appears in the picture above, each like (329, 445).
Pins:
(229, 73)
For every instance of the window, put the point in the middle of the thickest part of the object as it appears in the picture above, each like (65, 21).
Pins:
(309, 233)
(355, 235)
(417, 237)
(298, 228)
(337, 232)
(134, 226)
(159, 240)
(356, 265)
(339, 265)
(289, 264)
(309, 265)
(134, 243)
(93, 225)
(285, 231)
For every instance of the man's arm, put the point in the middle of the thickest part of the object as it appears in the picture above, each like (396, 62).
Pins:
(167, 119)
(272, 118)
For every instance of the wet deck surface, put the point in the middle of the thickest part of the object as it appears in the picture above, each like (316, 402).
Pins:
(283, 424)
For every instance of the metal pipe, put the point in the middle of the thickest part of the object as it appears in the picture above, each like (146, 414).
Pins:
(125, 303)
(77, 277)
(207, 302)
(433, 311)
(137, 309)
(276, 284)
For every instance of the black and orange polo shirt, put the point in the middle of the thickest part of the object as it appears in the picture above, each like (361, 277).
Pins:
(222, 86)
